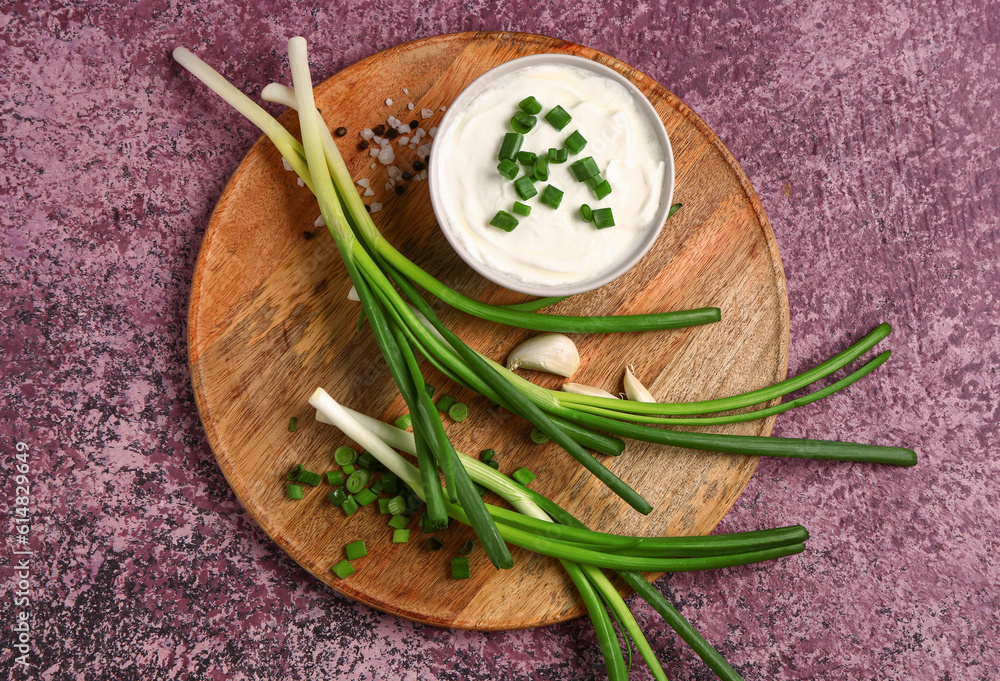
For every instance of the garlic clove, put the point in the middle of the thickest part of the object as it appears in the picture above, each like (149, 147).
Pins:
(635, 390)
(581, 389)
(551, 352)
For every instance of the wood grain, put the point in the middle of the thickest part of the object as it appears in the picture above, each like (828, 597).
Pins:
(269, 321)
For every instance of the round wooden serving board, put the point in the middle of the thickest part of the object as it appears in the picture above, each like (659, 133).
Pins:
(270, 321)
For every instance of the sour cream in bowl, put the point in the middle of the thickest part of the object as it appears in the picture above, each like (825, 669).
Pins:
(552, 251)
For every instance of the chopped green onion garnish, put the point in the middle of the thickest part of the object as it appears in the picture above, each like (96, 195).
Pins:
(504, 221)
(602, 189)
(398, 522)
(343, 569)
(365, 497)
(348, 469)
(293, 491)
(541, 168)
(524, 187)
(458, 412)
(376, 487)
(673, 209)
(507, 168)
(367, 461)
(434, 544)
(429, 389)
(586, 213)
(356, 549)
(522, 208)
(338, 496)
(404, 422)
(530, 105)
(603, 218)
(537, 436)
(526, 158)
(444, 404)
(522, 122)
(594, 180)
(390, 483)
(558, 118)
(397, 505)
(335, 478)
(344, 455)
(575, 142)
(523, 476)
(467, 548)
(494, 464)
(293, 475)
(400, 536)
(349, 506)
(558, 155)
(309, 478)
(357, 480)
(584, 168)
(512, 142)
(292, 422)
(383, 505)
(487, 455)
(460, 568)
(551, 196)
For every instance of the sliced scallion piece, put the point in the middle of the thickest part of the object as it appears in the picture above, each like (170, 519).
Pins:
(541, 169)
(575, 142)
(434, 544)
(508, 168)
(602, 189)
(293, 491)
(348, 469)
(458, 412)
(367, 461)
(586, 213)
(584, 168)
(383, 505)
(404, 422)
(365, 497)
(524, 187)
(526, 158)
(356, 549)
(603, 218)
(467, 548)
(400, 536)
(343, 569)
(390, 483)
(293, 475)
(522, 208)
(558, 118)
(397, 505)
(523, 476)
(335, 478)
(487, 455)
(292, 423)
(460, 567)
(530, 105)
(522, 122)
(345, 455)
(538, 436)
(358, 480)
(558, 155)
(398, 522)
(444, 404)
(337, 496)
(504, 220)
(511, 144)
(551, 196)
(350, 506)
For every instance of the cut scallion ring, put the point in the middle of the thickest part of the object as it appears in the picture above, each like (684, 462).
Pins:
(575, 142)
(558, 118)
(584, 168)
(522, 122)
(522, 208)
(358, 480)
(504, 220)
(508, 168)
(345, 455)
(530, 105)
(293, 491)
(551, 196)
(603, 218)
(511, 144)
(524, 187)
(458, 412)
(541, 169)
(460, 568)
(586, 213)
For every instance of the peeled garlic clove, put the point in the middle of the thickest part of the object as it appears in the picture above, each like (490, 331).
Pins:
(635, 390)
(551, 352)
(581, 389)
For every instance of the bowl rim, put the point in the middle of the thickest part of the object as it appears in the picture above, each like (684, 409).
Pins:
(481, 83)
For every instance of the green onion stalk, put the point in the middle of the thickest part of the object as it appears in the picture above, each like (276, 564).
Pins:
(539, 524)
(379, 273)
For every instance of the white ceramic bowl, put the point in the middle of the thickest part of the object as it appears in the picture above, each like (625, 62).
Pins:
(437, 162)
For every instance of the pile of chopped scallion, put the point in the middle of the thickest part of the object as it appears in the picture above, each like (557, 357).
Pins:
(405, 327)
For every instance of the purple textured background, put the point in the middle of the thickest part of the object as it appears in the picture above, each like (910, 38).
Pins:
(871, 136)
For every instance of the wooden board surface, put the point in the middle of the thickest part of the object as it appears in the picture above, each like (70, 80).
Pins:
(269, 321)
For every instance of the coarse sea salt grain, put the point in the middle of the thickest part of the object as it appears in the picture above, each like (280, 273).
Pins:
(373, 152)
(285, 163)
(367, 134)
(409, 107)
(301, 183)
(369, 192)
(363, 182)
(388, 102)
(393, 121)
(426, 113)
(403, 141)
(424, 150)
(443, 108)
(386, 156)
(376, 207)
(392, 171)
(406, 91)
(433, 131)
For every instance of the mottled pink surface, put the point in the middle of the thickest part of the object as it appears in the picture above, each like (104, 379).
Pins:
(872, 136)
